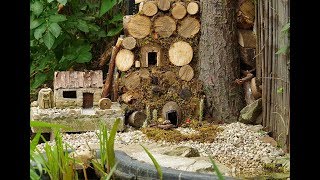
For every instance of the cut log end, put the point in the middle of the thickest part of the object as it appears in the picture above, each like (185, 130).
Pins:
(139, 26)
(129, 43)
(164, 26)
(186, 73)
(189, 27)
(124, 60)
(247, 38)
(178, 11)
(132, 81)
(137, 118)
(193, 8)
(105, 103)
(150, 8)
(180, 53)
(164, 5)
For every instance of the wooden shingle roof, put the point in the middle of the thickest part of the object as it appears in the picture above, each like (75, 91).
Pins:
(77, 79)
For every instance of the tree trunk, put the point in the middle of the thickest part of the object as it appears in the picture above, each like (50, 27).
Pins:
(218, 60)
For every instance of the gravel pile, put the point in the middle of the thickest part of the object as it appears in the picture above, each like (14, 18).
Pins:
(237, 146)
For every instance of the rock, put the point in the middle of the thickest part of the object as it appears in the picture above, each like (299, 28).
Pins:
(256, 128)
(249, 114)
(175, 162)
(184, 151)
(266, 160)
(270, 140)
(259, 119)
(160, 120)
(34, 104)
(185, 93)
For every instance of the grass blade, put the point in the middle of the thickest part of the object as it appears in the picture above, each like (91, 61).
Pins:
(111, 172)
(156, 164)
(110, 145)
(215, 168)
(35, 141)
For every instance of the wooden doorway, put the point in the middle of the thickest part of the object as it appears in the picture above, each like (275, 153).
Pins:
(87, 100)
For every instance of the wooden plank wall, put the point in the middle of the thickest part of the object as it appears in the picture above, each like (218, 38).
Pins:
(274, 69)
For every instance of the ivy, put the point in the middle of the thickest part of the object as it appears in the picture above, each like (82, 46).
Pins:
(62, 34)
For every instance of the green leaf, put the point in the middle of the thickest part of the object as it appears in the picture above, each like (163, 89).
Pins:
(36, 23)
(280, 90)
(282, 50)
(39, 31)
(102, 33)
(34, 175)
(57, 18)
(155, 163)
(48, 39)
(82, 26)
(106, 6)
(93, 27)
(84, 57)
(114, 31)
(215, 168)
(35, 141)
(55, 29)
(113, 169)
(63, 2)
(49, 1)
(110, 145)
(40, 78)
(37, 8)
(118, 17)
(285, 27)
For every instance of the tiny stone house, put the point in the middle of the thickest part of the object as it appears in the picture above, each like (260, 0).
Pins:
(77, 89)
(158, 60)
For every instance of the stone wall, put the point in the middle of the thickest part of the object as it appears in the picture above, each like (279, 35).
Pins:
(61, 102)
(76, 119)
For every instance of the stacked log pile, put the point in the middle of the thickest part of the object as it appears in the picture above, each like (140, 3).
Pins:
(158, 57)
(247, 44)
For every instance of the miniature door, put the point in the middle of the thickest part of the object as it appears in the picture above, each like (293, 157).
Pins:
(87, 100)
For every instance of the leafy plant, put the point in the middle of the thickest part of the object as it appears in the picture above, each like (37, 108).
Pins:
(64, 32)
(155, 163)
(215, 168)
(56, 161)
(106, 165)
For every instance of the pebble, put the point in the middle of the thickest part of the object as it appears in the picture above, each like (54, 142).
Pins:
(237, 146)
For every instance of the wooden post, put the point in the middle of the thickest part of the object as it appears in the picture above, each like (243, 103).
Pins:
(108, 83)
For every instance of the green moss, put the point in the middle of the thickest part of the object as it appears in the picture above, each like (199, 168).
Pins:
(207, 133)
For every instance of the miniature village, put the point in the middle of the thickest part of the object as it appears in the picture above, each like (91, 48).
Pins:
(152, 87)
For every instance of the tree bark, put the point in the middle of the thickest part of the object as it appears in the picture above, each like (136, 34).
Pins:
(219, 64)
